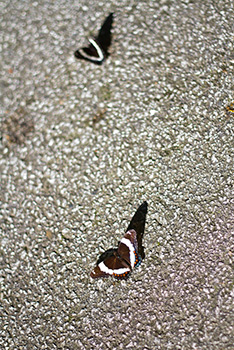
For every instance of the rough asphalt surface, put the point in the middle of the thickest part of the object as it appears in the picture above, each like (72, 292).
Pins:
(83, 146)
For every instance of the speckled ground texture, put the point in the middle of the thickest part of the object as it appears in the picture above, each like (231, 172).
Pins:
(82, 146)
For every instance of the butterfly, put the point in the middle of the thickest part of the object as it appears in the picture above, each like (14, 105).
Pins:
(97, 51)
(120, 262)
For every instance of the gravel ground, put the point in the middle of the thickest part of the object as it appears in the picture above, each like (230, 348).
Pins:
(84, 145)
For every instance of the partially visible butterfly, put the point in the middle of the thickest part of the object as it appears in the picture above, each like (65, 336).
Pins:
(230, 108)
(97, 51)
(120, 262)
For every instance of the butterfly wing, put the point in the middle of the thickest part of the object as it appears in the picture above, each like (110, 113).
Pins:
(104, 35)
(128, 249)
(92, 53)
(107, 254)
(89, 51)
(97, 50)
(111, 265)
(138, 224)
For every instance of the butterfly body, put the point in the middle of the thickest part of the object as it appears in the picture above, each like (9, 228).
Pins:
(97, 51)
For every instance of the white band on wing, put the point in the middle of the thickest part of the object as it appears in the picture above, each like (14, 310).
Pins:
(129, 244)
(105, 269)
(100, 57)
(99, 51)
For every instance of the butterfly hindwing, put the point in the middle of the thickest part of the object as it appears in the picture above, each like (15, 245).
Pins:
(111, 266)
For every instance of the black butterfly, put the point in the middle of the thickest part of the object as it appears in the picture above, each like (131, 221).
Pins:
(120, 262)
(97, 51)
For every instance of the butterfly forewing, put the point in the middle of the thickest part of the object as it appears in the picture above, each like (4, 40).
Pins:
(128, 248)
(97, 273)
